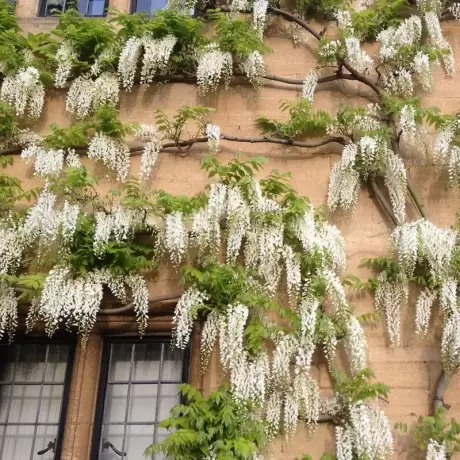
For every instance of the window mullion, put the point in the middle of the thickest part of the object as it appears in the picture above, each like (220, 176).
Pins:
(40, 396)
(130, 379)
(10, 400)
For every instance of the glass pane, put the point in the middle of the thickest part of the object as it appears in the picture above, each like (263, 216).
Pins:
(172, 366)
(31, 363)
(143, 401)
(5, 392)
(24, 404)
(8, 356)
(120, 361)
(45, 435)
(147, 358)
(18, 442)
(115, 403)
(54, 7)
(137, 439)
(143, 6)
(58, 356)
(50, 408)
(169, 398)
(161, 433)
(114, 435)
(96, 7)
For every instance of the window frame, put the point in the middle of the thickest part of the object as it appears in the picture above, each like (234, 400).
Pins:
(71, 343)
(104, 373)
(42, 6)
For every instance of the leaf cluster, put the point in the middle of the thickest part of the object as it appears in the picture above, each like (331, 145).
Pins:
(215, 425)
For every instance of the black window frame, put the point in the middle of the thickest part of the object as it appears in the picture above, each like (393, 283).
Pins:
(42, 9)
(104, 376)
(71, 343)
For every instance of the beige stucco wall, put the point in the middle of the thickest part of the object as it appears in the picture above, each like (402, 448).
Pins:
(411, 370)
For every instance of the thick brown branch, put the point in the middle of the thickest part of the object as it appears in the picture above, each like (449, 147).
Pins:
(293, 18)
(127, 308)
(137, 150)
(382, 200)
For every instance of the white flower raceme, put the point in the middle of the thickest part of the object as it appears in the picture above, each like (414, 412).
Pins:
(175, 237)
(309, 86)
(361, 6)
(106, 90)
(356, 345)
(119, 225)
(209, 335)
(343, 443)
(344, 181)
(448, 295)
(438, 40)
(140, 294)
(450, 342)
(156, 56)
(396, 182)
(357, 57)
(399, 82)
(436, 451)
(213, 135)
(370, 432)
(422, 241)
(65, 57)
(423, 308)
(408, 124)
(80, 96)
(390, 296)
(293, 272)
(213, 65)
(107, 55)
(127, 64)
(409, 32)
(184, 315)
(259, 15)
(455, 10)
(254, 68)
(343, 18)
(24, 90)
(8, 310)
(238, 222)
(152, 148)
(112, 152)
(422, 70)
(47, 162)
(11, 247)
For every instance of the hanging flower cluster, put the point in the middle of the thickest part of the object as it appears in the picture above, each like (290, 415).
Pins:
(150, 135)
(368, 435)
(85, 95)
(436, 451)
(421, 244)
(401, 56)
(76, 301)
(370, 156)
(65, 57)
(254, 68)
(446, 153)
(24, 90)
(213, 66)
(112, 152)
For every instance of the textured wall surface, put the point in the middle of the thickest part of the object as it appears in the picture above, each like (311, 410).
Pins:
(411, 370)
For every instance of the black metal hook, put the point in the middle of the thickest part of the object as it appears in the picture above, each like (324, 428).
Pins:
(108, 445)
(51, 447)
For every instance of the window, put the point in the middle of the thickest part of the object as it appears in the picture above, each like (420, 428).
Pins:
(85, 7)
(139, 385)
(34, 387)
(147, 6)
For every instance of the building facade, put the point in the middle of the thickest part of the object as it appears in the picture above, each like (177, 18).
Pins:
(65, 402)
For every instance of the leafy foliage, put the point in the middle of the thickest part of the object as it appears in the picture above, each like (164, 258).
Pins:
(214, 425)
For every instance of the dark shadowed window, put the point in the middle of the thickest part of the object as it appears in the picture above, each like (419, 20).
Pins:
(34, 384)
(140, 382)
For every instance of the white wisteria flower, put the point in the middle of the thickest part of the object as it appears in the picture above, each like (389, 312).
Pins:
(436, 451)
(309, 86)
(213, 135)
(213, 66)
(254, 68)
(24, 90)
(112, 152)
(259, 15)
(65, 57)
(157, 53)
(127, 63)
